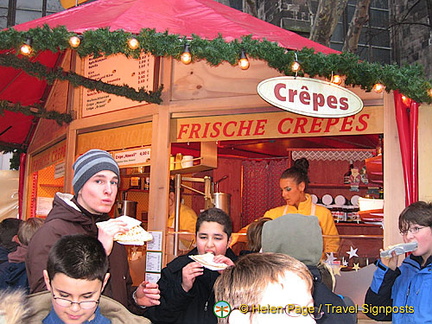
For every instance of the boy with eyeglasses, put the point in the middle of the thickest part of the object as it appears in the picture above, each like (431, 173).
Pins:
(402, 294)
(76, 275)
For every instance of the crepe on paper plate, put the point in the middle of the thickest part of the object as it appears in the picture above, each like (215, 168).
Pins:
(136, 235)
(207, 261)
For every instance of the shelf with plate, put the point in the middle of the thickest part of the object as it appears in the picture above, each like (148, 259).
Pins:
(335, 186)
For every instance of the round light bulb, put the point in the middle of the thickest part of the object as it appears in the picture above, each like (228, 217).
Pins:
(26, 49)
(378, 88)
(295, 66)
(186, 57)
(336, 79)
(430, 92)
(244, 63)
(133, 43)
(74, 41)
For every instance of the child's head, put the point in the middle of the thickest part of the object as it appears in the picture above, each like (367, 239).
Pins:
(213, 231)
(27, 229)
(254, 232)
(8, 229)
(273, 279)
(415, 224)
(76, 275)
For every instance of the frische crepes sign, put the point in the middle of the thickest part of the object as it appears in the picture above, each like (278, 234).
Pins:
(310, 97)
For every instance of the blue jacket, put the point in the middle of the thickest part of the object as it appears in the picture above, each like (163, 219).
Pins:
(406, 292)
(13, 275)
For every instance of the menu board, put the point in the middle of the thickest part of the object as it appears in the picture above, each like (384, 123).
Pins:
(120, 70)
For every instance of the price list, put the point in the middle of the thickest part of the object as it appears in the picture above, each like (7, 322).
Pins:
(120, 70)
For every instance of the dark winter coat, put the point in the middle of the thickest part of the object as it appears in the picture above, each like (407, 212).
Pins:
(178, 306)
(67, 218)
(13, 275)
(325, 299)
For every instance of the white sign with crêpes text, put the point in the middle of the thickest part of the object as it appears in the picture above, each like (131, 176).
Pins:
(310, 97)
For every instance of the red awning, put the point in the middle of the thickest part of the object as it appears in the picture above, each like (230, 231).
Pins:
(205, 18)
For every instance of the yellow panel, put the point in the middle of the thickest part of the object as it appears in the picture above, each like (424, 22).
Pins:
(115, 138)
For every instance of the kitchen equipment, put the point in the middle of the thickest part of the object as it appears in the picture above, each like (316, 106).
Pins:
(222, 201)
(187, 161)
(126, 208)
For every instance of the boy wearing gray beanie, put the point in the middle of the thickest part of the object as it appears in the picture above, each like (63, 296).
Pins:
(95, 182)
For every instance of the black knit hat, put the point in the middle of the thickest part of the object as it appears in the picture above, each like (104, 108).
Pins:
(90, 163)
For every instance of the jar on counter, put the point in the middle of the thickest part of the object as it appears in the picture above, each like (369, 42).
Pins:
(135, 183)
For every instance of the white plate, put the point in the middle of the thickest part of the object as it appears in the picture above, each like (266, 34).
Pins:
(327, 199)
(314, 198)
(340, 200)
(354, 200)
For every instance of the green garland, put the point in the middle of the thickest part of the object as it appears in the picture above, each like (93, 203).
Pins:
(35, 110)
(409, 80)
(16, 152)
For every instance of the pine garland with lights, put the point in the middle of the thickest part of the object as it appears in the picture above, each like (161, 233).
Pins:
(409, 80)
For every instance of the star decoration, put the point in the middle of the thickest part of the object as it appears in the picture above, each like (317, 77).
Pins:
(330, 258)
(352, 252)
(356, 267)
(344, 262)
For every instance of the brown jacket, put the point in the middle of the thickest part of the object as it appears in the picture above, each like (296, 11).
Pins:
(67, 218)
(40, 306)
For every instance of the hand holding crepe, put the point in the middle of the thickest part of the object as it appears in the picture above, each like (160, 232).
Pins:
(135, 234)
(206, 260)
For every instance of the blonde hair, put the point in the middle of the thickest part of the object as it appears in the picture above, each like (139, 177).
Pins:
(245, 282)
(28, 228)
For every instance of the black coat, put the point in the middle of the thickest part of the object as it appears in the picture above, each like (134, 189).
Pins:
(330, 303)
(178, 306)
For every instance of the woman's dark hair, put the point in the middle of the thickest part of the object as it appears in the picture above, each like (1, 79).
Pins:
(78, 256)
(298, 172)
(419, 213)
(215, 215)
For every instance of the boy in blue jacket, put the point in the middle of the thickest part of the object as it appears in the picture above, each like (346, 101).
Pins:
(403, 294)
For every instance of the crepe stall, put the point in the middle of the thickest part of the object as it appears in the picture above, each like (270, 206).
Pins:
(136, 235)
(206, 260)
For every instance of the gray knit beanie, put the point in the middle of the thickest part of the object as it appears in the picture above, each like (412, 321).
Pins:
(90, 163)
(297, 235)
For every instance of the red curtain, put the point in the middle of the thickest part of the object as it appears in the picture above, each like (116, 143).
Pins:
(407, 123)
(23, 159)
(261, 187)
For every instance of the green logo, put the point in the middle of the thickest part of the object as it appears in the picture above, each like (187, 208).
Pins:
(222, 309)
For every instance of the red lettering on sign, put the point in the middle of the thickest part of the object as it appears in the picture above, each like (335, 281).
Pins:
(260, 128)
(347, 124)
(316, 125)
(244, 127)
(225, 129)
(277, 89)
(216, 129)
(300, 125)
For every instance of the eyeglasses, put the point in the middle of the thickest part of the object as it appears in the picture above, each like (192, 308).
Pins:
(412, 230)
(292, 310)
(86, 304)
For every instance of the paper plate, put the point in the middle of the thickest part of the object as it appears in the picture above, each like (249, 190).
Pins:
(340, 200)
(314, 199)
(354, 200)
(327, 199)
